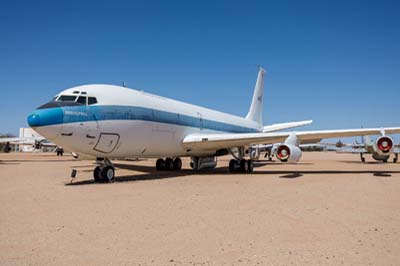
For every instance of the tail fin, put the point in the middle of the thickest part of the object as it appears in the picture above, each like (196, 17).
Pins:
(256, 108)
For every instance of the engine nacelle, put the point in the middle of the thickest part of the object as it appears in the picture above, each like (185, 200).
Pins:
(288, 153)
(384, 144)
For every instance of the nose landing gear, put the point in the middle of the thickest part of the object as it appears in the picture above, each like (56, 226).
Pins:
(105, 172)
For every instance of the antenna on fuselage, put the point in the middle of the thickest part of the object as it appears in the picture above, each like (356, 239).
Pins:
(123, 84)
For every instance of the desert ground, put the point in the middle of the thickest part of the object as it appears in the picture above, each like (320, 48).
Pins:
(329, 209)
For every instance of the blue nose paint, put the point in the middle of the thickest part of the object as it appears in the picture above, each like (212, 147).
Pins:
(45, 117)
(34, 120)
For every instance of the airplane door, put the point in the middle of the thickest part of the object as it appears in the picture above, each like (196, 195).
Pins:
(201, 122)
(89, 129)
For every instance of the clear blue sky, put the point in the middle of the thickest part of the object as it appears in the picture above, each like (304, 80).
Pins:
(336, 62)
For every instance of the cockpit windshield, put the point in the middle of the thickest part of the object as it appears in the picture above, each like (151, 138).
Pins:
(66, 98)
(82, 99)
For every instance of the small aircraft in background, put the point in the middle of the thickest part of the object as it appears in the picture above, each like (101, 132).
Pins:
(33, 143)
(36, 143)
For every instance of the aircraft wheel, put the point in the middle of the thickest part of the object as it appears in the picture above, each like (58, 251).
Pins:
(96, 175)
(244, 167)
(177, 164)
(395, 159)
(250, 166)
(232, 165)
(169, 164)
(160, 164)
(385, 161)
(108, 174)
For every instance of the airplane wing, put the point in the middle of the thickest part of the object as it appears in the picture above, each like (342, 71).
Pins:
(352, 150)
(281, 126)
(209, 142)
(355, 146)
(15, 140)
(27, 141)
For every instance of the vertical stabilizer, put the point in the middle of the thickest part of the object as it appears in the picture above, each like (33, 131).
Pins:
(256, 108)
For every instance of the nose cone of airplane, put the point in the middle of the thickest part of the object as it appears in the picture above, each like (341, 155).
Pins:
(47, 122)
(34, 120)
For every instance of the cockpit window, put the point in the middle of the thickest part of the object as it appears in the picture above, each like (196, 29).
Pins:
(82, 100)
(66, 98)
(92, 100)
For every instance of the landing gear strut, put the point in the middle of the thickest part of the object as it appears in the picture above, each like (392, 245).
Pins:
(396, 157)
(362, 157)
(243, 166)
(169, 164)
(104, 172)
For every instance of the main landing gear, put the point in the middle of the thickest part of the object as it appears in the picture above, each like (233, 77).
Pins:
(396, 158)
(104, 172)
(243, 166)
(169, 164)
(362, 157)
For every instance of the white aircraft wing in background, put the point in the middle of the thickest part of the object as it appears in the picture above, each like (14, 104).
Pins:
(204, 142)
(28, 141)
(352, 150)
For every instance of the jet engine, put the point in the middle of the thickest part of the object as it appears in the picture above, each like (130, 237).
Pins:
(288, 153)
(384, 144)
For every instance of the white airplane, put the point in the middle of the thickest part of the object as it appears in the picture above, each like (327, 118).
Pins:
(380, 149)
(106, 122)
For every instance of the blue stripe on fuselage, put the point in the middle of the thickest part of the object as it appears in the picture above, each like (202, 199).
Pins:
(74, 114)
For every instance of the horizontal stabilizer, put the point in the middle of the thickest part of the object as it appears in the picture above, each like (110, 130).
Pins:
(281, 126)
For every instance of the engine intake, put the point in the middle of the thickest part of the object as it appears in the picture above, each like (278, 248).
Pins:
(288, 153)
(384, 144)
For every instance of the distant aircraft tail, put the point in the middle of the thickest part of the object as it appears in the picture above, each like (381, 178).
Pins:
(256, 108)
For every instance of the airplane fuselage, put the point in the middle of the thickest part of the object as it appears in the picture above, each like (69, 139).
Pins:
(129, 123)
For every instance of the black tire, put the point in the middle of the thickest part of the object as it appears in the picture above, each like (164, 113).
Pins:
(169, 164)
(177, 164)
(96, 175)
(250, 166)
(160, 165)
(108, 174)
(232, 165)
(243, 166)
(385, 161)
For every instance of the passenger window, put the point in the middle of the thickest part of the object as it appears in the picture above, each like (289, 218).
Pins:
(82, 100)
(92, 100)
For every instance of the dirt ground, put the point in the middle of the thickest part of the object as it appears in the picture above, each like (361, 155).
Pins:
(327, 210)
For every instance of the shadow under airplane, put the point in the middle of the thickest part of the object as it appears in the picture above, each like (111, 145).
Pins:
(150, 173)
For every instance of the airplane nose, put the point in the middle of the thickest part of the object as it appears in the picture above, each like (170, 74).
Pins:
(34, 120)
(47, 122)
